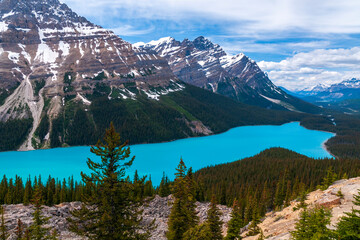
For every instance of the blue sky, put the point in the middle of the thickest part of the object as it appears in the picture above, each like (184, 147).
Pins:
(300, 43)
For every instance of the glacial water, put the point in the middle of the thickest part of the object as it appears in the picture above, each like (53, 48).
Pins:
(154, 159)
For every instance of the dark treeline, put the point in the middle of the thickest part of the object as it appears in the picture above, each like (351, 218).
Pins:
(346, 143)
(13, 133)
(54, 191)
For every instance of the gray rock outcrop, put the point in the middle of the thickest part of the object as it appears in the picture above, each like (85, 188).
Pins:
(158, 208)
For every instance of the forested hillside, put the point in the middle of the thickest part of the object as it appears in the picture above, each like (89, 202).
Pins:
(176, 115)
(270, 180)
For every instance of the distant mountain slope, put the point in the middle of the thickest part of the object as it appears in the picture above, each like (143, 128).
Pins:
(347, 89)
(187, 113)
(205, 64)
(343, 96)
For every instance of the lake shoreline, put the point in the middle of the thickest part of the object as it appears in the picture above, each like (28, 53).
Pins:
(173, 140)
(155, 158)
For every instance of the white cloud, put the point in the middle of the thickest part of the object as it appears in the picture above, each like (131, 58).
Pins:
(310, 68)
(245, 16)
(128, 30)
(251, 46)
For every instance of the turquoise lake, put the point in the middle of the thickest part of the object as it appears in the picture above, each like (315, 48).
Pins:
(154, 159)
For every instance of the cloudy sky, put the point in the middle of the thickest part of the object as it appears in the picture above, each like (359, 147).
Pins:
(298, 42)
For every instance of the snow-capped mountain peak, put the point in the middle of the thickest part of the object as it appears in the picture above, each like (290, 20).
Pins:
(318, 88)
(48, 52)
(154, 43)
(202, 63)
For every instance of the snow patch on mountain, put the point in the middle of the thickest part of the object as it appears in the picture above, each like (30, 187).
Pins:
(8, 14)
(3, 27)
(45, 54)
(227, 61)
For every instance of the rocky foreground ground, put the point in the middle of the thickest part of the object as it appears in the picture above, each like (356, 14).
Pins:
(158, 209)
(277, 225)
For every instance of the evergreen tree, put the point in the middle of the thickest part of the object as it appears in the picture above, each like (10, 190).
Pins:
(54, 235)
(37, 230)
(3, 229)
(138, 186)
(261, 236)
(254, 228)
(19, 190)
(63, 192)
(190, 203)
(183, 216)
(27, 234)
(349, 226)
(3, 189)
(312, 225)
(19, 231)
(223, 195)
(27, 192)
(10, 193)
(280, 193)
(328, 179)
(235, 223)
(109, 210)
(213, 220)
(265, 199)
(302, 199)
(199, 232)
(149, 189)
(164, 187)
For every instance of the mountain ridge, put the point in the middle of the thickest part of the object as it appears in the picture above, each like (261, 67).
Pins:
(205, 64)
(50, 55)
(343, 96)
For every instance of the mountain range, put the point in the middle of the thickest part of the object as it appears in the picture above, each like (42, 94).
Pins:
(205, 64)
(343, 96)
(63, 79)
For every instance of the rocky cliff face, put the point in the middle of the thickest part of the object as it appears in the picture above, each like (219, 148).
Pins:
(277, 225)
(44, 39)
(48, 53)
(205, 64)
(158, 209)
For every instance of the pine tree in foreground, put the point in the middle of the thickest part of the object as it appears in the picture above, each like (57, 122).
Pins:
(37, 231)
(235, 223)
(349, 226)
(254, 228)
(261, 236)
(183, 215)
(213, 220)
(3, 230)
(19, 230)
(312, 225)
(201, 231)
(110, 210)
